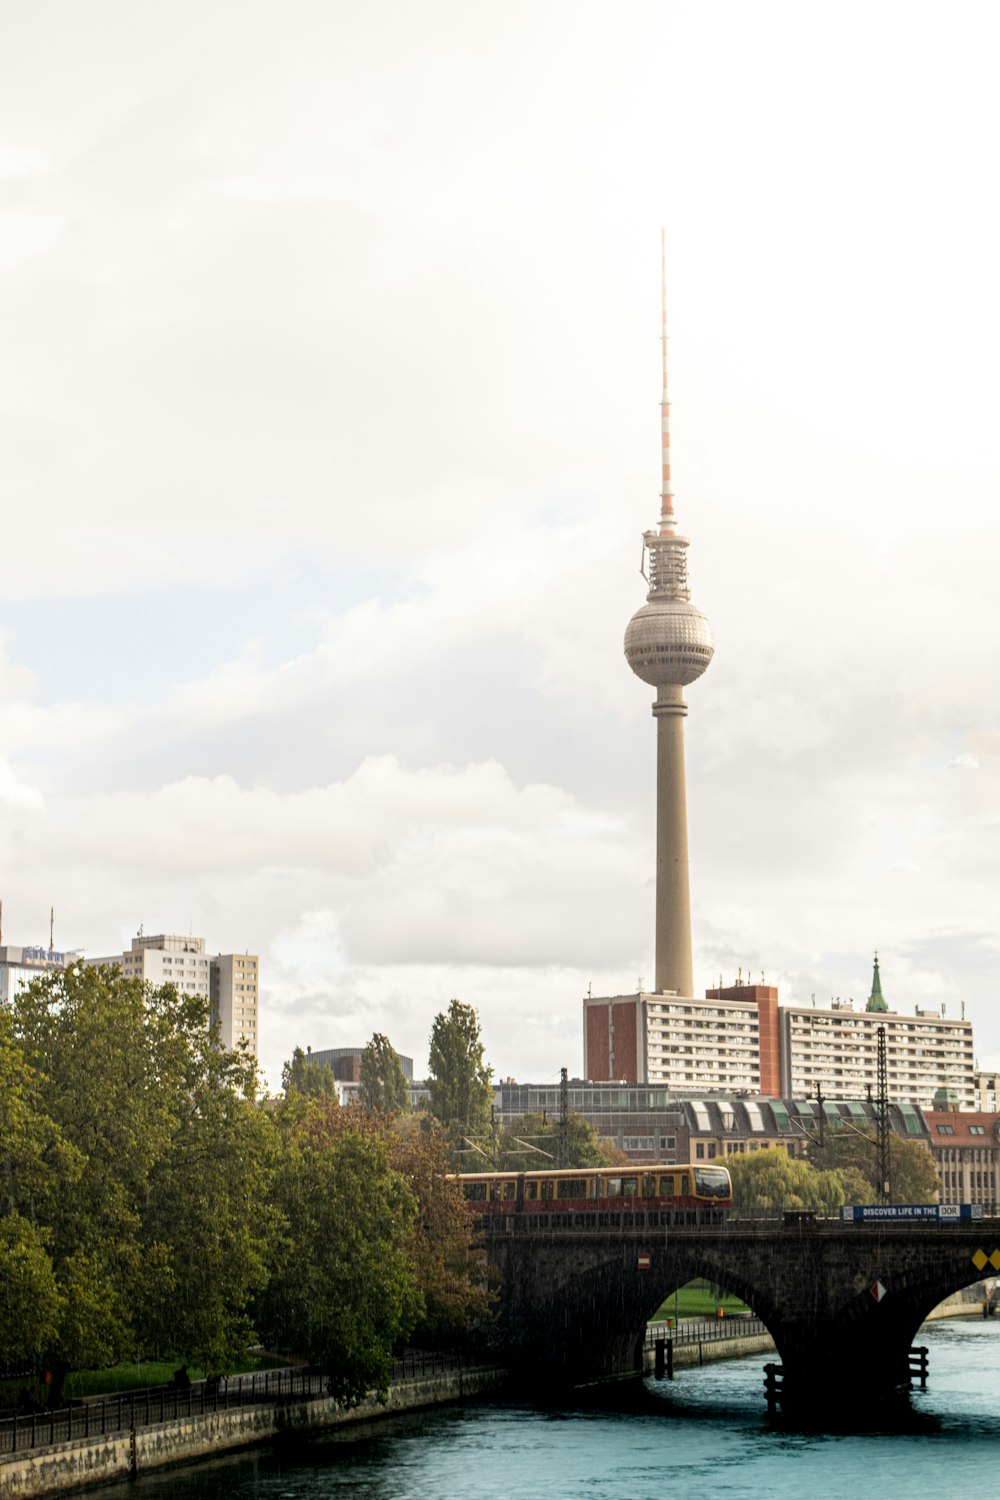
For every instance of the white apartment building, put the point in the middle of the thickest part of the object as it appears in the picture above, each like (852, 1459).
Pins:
(837, 1049)
(230, 982)
(700, 1045)
(687, 1044)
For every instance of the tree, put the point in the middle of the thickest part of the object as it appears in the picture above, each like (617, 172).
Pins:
(912, 1172)
(303, 1076)
(342, 1291)
(209, 1225)
(36, 1166)
(444, 1259)
(770, 1181)
(531, 1144)
(156, 1233)
(31, 1298)
(383, 1082)
(459, 1080)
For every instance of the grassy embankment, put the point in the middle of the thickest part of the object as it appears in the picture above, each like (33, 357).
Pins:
(698, 1300)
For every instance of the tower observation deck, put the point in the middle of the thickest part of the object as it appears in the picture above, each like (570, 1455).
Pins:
(668, 644)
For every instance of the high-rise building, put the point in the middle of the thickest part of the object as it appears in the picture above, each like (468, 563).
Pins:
(739, 1039)
(230, 982)
(728, 1040)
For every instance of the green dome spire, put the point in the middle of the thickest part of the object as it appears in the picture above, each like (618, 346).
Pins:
(876, 1000)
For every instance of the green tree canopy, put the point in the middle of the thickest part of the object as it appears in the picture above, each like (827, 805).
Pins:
(531, 1143)
(209, 1224)
(771, 1181)
(459, 1080)
(303, 1076)
(383, 1082)
(157, 1149)
(343, 1292)
(912, 1172)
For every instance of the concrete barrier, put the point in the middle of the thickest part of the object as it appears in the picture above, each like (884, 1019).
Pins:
(66, 1466)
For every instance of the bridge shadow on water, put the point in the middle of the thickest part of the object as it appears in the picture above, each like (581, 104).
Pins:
(703, 1399)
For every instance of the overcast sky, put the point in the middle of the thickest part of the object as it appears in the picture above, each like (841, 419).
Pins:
(328, 430)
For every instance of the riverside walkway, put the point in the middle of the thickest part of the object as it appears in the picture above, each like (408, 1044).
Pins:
(117, 1437)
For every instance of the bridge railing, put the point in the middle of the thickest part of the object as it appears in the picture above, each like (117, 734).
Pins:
(100, 1416)
(691, 1331)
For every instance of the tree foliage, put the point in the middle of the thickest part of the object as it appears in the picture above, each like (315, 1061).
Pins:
(343, 1292)
(301, 1075)
(531, 1143)
(771, 1181)
(445, 1263)
(459, 1079)
(119, 1083)
(383, 1082)
(912, 1172)
(150, 1205)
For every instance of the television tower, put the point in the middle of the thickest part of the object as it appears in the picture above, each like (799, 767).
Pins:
(668, 644)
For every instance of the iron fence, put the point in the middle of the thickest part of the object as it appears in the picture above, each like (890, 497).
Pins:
(738, 1326)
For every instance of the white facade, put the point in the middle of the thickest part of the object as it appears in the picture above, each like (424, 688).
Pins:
(837, 1049)
(703, 1045)
(230, 982)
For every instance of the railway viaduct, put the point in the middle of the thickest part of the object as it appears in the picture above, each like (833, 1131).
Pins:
(842, 1302)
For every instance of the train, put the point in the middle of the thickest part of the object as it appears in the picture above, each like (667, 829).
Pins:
(689, 1191)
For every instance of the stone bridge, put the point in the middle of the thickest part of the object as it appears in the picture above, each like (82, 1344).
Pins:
(842, 1302)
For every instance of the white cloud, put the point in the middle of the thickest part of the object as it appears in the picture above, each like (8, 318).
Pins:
(377, 289)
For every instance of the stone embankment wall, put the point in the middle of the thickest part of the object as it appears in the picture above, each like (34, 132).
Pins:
(688, 1354)
(93, 1461)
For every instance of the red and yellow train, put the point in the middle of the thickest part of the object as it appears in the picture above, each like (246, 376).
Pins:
(691, 1189)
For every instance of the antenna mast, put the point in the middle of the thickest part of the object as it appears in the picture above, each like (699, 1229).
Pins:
(667, 518)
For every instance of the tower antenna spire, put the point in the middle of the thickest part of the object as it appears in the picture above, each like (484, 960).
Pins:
(668, 521)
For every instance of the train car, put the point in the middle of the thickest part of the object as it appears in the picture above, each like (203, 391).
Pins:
(688, 1192)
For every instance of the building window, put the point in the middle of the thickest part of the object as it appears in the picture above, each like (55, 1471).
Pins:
(946, 1130)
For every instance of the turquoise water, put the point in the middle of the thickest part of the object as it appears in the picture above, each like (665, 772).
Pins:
(703, 1436)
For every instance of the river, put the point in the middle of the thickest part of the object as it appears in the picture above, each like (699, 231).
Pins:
(702, 1436)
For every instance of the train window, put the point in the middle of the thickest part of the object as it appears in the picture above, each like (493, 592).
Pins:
(509, 1192)
(649, 1187)
(530, 1192)
(571, 1187)
(494, 1192)
(666, 1187)
(546, 1188)
(475, 1192)
(630, 1187)
(612, 1187)
(685, 1185)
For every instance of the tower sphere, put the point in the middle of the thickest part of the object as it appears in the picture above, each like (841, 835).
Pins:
(668, 642)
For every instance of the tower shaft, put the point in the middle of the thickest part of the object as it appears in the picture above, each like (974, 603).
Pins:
(673, 888)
